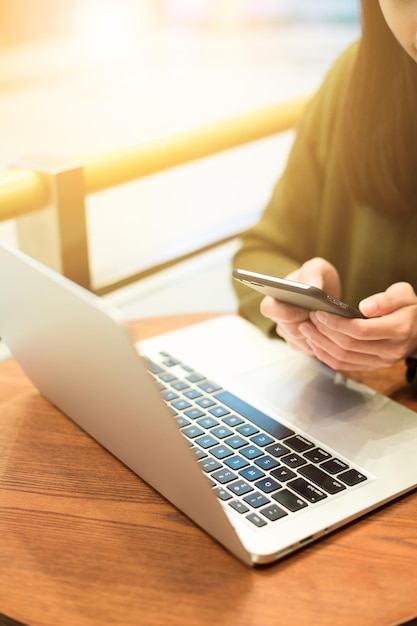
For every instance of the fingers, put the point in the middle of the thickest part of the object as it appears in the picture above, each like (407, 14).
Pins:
(292, 335)
(353, 331)
(349, 336)
(346, 361)
(395, 297)
(287, 319)
(363, 343)
(341, 352)
(280, 312)
(319, 273)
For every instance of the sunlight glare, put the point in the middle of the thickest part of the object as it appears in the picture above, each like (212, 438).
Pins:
(111, 25)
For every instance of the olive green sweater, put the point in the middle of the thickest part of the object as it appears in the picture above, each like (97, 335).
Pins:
(312, 213)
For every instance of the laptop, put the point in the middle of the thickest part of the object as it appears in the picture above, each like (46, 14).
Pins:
(265, 449)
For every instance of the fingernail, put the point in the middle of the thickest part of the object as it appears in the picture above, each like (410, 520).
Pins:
(305, 329)
(320, 317)
(368, 307)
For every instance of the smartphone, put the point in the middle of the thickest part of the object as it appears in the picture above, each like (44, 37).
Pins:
(297, 294)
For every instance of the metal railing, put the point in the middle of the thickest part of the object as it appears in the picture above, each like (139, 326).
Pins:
(38, 183)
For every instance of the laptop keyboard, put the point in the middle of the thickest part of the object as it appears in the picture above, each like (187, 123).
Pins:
(259, 467)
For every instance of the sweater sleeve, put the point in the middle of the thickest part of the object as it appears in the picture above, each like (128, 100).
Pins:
(286, 233)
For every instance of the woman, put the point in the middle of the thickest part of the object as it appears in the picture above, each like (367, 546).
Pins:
(343, 216)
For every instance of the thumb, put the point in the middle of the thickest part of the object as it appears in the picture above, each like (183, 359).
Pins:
(369, 306)
(395, 297)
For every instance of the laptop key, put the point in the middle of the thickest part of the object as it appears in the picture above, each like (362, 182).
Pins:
(293, 460)
(256, 500)
(194, 413)
(221, 432)
(209, 465)
(218, 411)
(256, 520)
(167, 377)
(169, 395)
(266, 462)
(352, 477)
(232, 420)
(181, 404)
(238, 506)
(208, 386)
(277, 450)
(181, 421)
(224, 476)
(179, 385)
(252, 473)
(192, 431)
(317, 455)
(267, 485)
(323, 480)
(191, 394)
(273, 512)
(206, 441)
(308, 491)
(283, 474)
(236, 442)
(261, 439)
(236, 462)
(251, 452)
(222, 494)
(240, 487)
(199, 453)
(207, 422)
(299, 443)
(221, 452)
(170, 362)
(247, 429)
(334, 466)
(289, 500)
(205, 402)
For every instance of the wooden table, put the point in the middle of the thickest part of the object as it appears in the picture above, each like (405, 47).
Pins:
(85, 542)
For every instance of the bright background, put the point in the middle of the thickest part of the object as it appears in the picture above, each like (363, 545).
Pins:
(78, 77)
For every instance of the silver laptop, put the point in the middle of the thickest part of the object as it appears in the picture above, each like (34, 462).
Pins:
(265, 449)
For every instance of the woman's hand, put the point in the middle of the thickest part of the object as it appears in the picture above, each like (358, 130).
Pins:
(288, 319)
(387, 336)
